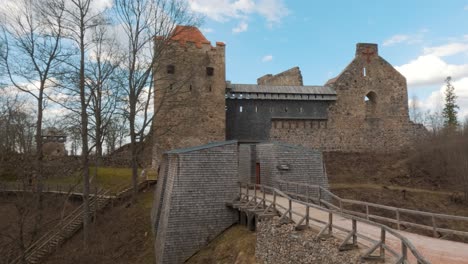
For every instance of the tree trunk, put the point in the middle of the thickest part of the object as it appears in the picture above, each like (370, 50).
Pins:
(84, 138)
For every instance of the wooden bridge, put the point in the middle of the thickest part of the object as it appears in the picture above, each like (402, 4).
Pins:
(314, 206)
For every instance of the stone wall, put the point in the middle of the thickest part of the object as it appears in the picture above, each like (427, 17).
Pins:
(190, 209)
(190, 83)
(292, 76)
(280, 244)
(370, 114)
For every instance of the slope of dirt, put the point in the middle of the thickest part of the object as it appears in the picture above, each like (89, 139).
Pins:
(18, 215)
(120, 235)
(235, 245)
(386, 169)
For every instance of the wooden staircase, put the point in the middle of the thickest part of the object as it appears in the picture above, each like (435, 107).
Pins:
(49, 242)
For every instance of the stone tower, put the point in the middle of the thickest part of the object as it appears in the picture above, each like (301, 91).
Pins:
(190, 83)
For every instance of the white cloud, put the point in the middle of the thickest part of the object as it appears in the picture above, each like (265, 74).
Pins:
(267, 58)
(395, 40)
(447, 50)
(243, 26)
(207, 30)
(273, 11)
(435, 101)
(431, 68)
(406, 38)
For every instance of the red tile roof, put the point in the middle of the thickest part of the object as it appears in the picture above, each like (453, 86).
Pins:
(185, 34)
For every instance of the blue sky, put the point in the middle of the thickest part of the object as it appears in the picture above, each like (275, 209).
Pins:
(425, 40)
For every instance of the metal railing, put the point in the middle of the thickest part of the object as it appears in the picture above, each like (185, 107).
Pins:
(268, 197)
(325, 197)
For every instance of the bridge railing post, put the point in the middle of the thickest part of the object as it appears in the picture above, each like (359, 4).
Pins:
(307, 215)
(320, 196)
(330, 223)
(382, 243)
(398, 218)
(290, 209)
(404, 252)
(263, 196)
(274, 199)
(434, 227)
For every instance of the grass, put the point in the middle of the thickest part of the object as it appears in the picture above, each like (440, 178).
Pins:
(107, 177)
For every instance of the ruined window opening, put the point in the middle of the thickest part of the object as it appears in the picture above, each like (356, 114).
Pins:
(170, 69)
(364, 72)
(370, 101)
(209, 88)
(190, 88)
(209, 71)
(240, 109)
(256, 109)
(285, 109)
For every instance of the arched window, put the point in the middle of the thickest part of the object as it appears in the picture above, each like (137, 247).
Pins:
(170, 69)
(371, 104)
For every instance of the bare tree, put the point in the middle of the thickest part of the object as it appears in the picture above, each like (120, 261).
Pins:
(142, 21)
(415, 112)
(31, 34)
(80, 18)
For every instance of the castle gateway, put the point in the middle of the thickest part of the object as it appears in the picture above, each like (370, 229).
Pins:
(365, 108)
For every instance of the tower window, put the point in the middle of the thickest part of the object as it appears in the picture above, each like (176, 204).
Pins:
(364, 73)
(170, 69)
(209, 71)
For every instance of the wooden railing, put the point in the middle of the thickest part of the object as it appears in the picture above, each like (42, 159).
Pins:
(325, 197)
(257, 195)
(52, 239)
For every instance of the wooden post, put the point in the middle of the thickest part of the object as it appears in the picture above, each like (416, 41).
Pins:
(263, 196)
(330, 223)
(434, 227)
(398, 219)
(307, 215)
(320, 196)
(382, 240)
(354, 232)
(404, 252)
(274, 199)
(367, 212)
(290, 209)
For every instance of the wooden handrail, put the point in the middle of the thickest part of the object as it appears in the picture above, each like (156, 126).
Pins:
(397, 211)
(406, 244)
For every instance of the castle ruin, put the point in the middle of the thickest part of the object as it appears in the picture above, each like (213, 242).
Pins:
(364, 108)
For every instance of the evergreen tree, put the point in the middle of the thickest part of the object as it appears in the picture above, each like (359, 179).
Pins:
(450, 108)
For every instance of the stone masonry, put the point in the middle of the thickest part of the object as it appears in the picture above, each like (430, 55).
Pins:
(363, 109)
(189, 92)
(292, 76)
(370, 113)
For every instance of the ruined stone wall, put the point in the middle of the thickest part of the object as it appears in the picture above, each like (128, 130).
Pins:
(54, 149)
(190, 209)
(370, 114)
(189, 97)
(292, 76)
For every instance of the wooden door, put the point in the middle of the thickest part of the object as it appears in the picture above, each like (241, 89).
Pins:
(257, 173)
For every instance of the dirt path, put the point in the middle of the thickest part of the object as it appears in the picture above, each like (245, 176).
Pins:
(434, 250)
